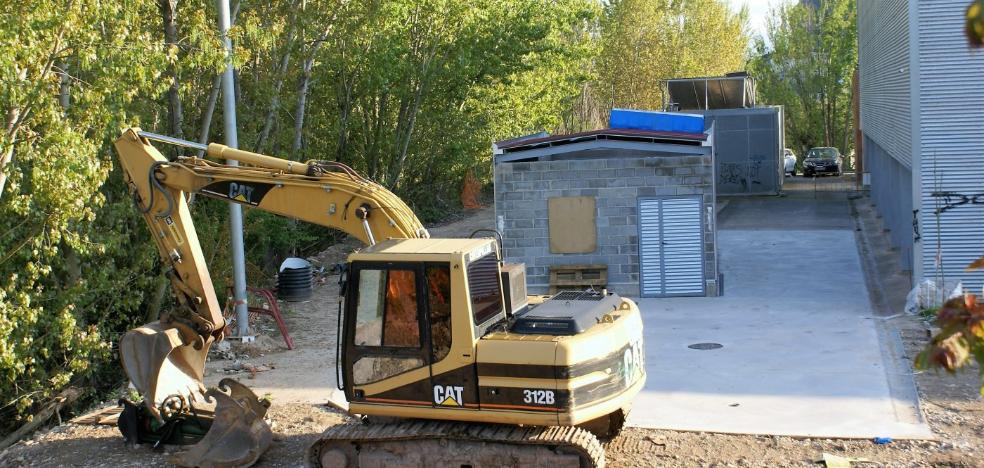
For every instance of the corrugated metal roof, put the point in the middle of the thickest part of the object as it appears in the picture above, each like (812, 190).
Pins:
(608, 133)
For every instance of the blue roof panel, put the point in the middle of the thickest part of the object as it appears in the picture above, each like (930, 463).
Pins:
(656, 121)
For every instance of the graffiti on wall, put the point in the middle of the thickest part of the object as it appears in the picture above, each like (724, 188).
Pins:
(732, 173)
(953, 200)
(916, 236)
(745, 174)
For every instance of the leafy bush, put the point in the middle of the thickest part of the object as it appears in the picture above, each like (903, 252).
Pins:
(961, 337)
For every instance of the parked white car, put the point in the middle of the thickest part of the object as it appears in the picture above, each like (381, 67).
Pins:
(789, 161)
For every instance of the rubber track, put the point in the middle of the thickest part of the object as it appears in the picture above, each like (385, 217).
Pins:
(573, 440)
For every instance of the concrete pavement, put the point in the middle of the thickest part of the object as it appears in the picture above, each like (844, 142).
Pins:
(802, 353)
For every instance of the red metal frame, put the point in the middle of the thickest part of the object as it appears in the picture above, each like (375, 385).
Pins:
(273, 311)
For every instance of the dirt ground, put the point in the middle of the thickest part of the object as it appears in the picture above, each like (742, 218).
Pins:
(952, 405)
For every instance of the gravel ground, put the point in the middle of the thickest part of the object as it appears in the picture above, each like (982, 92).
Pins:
(952, 404)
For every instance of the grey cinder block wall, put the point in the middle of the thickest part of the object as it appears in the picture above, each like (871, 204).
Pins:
(617, 181)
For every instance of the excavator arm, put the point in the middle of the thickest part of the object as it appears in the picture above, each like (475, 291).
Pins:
(165, 359)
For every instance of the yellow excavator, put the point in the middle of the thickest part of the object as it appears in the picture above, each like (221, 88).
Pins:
(441, 353)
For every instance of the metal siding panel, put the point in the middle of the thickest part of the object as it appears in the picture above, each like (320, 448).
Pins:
(650, 254)
(952, 149)
(883, 49)
(891, 192)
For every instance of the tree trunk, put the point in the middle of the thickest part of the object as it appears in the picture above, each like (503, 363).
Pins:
(16, 116)
(281, 73)
(65, 88)
(302, 91)
(833, 121)
(404, 145)
(73, 264)
(304, 87)
(205, 125)
(161, 284)
(175, 112)
(345, 111)
(404, 136)
(374, 135)
(237, 88)
(8, 155)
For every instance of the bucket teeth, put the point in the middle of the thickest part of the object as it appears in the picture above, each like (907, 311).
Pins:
(238, 436)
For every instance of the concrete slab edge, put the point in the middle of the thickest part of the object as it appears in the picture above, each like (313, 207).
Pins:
(899, 376)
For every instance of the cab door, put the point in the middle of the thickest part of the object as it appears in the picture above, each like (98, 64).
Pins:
(386, 352)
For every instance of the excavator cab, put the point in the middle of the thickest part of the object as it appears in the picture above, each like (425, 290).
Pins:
(413, 310)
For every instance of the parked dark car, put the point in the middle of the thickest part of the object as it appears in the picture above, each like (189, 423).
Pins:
(821, 161)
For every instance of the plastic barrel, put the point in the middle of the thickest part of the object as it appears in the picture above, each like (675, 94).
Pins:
(294, 280)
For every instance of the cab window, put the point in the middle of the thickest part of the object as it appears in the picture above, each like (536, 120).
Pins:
(387, 325)
(439, 302)
(386, 314)
(484, 286)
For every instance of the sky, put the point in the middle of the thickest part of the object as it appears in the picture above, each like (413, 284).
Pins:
(757, 11)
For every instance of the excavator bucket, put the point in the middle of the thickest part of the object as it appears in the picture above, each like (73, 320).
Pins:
(160, 365)
(168, 374)
(238, 436)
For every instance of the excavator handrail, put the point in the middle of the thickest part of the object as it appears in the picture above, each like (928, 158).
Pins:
(172, 140)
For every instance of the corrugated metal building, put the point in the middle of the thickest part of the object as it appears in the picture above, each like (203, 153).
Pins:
(922, 121)
(750, 139)
(749, 149)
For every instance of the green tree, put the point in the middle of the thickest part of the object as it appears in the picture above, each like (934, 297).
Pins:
(647, 41)
(806, 66)
(410, 92)
(69, 74)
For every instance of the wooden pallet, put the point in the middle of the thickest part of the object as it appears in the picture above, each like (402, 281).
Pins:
(578, 277)
(101, 417)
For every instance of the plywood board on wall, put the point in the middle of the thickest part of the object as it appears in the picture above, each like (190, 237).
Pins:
(572, 224)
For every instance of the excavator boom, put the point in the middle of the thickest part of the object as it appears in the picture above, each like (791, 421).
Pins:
(165, 359)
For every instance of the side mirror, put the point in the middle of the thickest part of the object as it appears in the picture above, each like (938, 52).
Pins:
(342, 269)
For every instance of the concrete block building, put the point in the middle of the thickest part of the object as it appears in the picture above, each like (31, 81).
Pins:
(922, 125)
(639, 202)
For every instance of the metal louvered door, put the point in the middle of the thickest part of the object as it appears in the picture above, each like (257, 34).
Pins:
(650, 251)
(671, 247)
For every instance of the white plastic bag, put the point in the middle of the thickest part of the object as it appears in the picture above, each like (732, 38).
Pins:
(927, 295)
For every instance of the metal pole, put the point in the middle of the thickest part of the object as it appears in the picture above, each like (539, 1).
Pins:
(235, 211)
